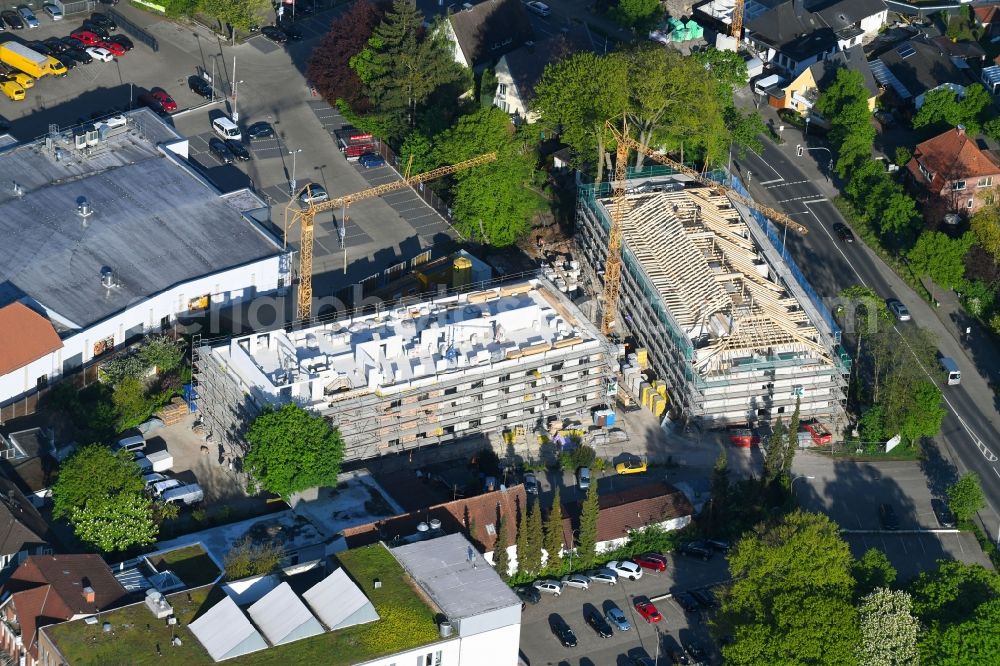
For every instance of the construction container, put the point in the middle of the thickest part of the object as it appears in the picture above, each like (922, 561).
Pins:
(642, 357)
(658, 404)
(461, 273)
(660, 387)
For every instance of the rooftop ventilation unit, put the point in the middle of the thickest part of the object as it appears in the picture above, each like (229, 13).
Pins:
(107, 277)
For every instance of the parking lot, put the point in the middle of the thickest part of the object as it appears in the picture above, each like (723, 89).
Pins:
(539, 646)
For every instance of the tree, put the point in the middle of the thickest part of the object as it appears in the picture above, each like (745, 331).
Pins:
(965, 497)
(161, 352)
(873, 570)
(951, 593)
(238, 14)
(401, 66)
(913, 408)
(944, 107)
(776, 443)
(330, 68)
(292, 450)
(249, 558)
(720, 491)
(530, 561)
(589, 515)
(940, 257)
(888, 629)
(101, 494)
(986, 228)
(494, 202)
(745, 129)
(845, 103)
(903, 156)
(131, 402)
(790, 602)
(554, 534)
(792, 439)
(501, 558)
(970, 643)
(577, 95)
(637, 13)
(522, 539)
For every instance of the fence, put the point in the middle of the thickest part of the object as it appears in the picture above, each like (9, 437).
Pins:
(772, 234)
(76, 7)
(134, 30)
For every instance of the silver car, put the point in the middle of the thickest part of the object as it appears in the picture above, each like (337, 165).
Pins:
(576, 580)
(28, 16)
(314, 194)
(898, 309)
(551, 586)
(583, 478)
(606, 576)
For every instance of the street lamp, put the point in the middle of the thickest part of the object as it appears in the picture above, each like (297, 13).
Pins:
(291, 181)
(800, 476)
(807, 125)
(236, 89)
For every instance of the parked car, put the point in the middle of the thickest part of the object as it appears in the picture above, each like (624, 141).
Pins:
(615, 616)
(943, 514)
(721, 545)
(676, 655)
(260, 130)
(371, 161)
(598, 624)
(73, 43)
(12, 90)
(631, 466)
(527, 594)
(12, 19)
(898, 309)
(115, 48)
(705, 598)
(686, 602)
(66, 60)
(131, 443)
(641, 660)
(843, 232)
(530, 484)
(165, 101)
(161, 487)
(625, 569)
(606, 576)
(562, 631)
(21, 79)
(28, 16)
(155, 477)
(274, 33)
(583, 478)
(53, 11)
(313, 194)
(85, 37)
(539, 8)
(552, 587)
(188, 495)
(647, 610)
(200, 86)
(292, 33)
(39, 47)
(238, 150)
(98, 53)
(122, 41)
(695, 650)
(220, 150)
(577, 580)
(647, 562)
(92, 27)
(695, 549)
(887, 514)
(55, 45)
(104, 21)
(145, 465)
(80, 56)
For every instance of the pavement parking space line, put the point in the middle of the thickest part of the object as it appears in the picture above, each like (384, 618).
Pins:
(785, 184)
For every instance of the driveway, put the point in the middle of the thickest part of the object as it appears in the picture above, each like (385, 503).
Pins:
(539, 646)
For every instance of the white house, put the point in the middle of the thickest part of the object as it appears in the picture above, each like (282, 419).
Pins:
(110, 233)
(483, 32)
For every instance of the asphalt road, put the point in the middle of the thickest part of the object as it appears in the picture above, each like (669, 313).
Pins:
(797, 187)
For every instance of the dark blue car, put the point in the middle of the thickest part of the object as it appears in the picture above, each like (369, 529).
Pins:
(371, 160)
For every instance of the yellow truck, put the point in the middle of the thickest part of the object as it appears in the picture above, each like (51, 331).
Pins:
(30, 62)
(12, 89)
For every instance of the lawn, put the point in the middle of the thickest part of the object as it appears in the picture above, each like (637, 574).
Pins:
(406, 622)
(191, 563)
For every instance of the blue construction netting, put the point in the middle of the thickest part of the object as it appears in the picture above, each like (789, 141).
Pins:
(771, 230)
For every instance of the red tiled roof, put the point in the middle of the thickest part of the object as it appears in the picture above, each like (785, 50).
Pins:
(630, 509)
(987, 14)
(952, 155)
(25, 336)
(49, 588)
(480, 513)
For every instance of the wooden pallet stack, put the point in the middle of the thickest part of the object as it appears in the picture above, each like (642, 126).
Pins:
(173, 412)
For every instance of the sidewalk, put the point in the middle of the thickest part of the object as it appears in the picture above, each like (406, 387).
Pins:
(979, 345)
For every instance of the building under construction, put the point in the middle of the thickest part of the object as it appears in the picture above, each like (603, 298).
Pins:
(518, 356)
(735, 336)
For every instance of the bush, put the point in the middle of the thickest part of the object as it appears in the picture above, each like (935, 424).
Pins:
(251, 559)
(122, 367)
(162, 353)
(132, 403)
(581, 456)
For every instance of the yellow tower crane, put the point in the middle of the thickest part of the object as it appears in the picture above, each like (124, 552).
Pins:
(736, 28)
(306, 218)
(613, 266)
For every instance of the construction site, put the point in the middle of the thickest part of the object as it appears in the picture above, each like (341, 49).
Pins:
(516, 357)
(703, 295)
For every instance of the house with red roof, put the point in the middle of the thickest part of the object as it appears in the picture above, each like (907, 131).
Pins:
(47, 589)
(952, 173)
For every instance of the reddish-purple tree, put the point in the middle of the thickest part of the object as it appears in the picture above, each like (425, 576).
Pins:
(330, 69)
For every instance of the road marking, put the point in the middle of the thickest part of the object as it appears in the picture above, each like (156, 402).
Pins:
(995, 471)
(770, 166)
(814, 201)
(794, 182)
(768, 182)
(811, 199)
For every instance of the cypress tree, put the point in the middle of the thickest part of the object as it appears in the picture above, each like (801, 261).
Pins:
(793, 438)
(554, 535)
(588, 527)
(501, 559)
(531, 560)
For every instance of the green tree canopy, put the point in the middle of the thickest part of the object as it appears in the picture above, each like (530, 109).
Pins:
(943, 107)
(637, 13)
(494, 202)
(251, 558)
(554, 534)
(845, 103)
(589, 515)
(501, 558)
(115, 523)
(888, 630)
(161, 352)
(940, 257)
(240, 14)
(292, 450)
(965, 497)
(951, 593)
(873, 570)
(529, 560)
(401, 67)
(986, 228)
(970, 643)
(790, 602)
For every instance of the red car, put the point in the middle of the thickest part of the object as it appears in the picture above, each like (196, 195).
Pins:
(648, 611)
(819, 433)
(651, 561)
(87, 37)
(115, 48)
(165, 101)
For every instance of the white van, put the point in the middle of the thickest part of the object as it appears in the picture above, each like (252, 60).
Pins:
(188, 495)
(134, 443)
(227, 129)
(950, 367)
